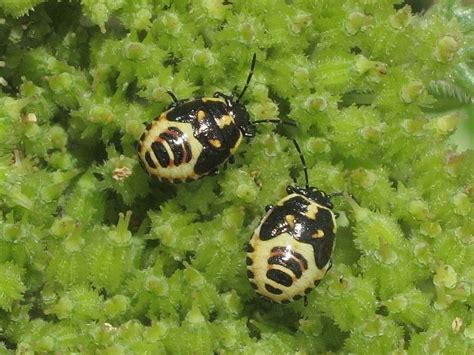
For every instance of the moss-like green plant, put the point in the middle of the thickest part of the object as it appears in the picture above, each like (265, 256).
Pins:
(95, 257)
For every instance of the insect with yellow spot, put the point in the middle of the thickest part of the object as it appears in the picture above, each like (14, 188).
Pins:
(290, 250)
(194, 137)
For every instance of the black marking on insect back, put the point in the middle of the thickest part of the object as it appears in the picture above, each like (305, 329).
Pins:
(317, 282)
(271, 289)
(322, 246)
(179, 145)
(149, 161)
(254, 285)
(161, 153)
(249, 261)
(142, 137)
(290, 264)
(297, 297)
(289, 259)
(308, 290)
(187, 111)
(276, 223)
(302, 228)
(250, 274)
(279, 277)
(207, 131)
(250, 248)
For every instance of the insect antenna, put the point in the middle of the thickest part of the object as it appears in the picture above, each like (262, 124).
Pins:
(249, 77)
(305, 169)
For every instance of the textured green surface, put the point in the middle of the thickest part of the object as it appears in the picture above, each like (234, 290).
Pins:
(97, 258)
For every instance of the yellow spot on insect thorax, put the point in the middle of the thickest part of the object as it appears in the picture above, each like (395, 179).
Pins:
(215, 143)
(312, 211)
(290, 219)
(225, 120)
(200, 115)
(318, 234)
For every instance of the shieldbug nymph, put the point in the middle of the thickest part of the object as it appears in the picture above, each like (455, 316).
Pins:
(194, 137)
(290, 250)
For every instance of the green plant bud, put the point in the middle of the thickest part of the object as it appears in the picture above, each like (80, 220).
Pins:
(414, 127)
(401, 18)
(411, 307)
(300, 22)
(444, 124)
(100, 114)
(157, 331)
(264, 110)
(171, 23)
(356, 22)
(353, 295)
(315, 103)
(74, 242)
(317, 146)
(373, 70)
(46, 343)
(215, 8)
(435, 344)
(12, 287)
(334, 73)
(232, 303)
(62, 161)
(98, 13)
(422, 253)
(377, 335)
(445, 49)
(62, 227)
(120, 234)
(135, 51)
(58, 137)
(445, 277)
(203, 58)
(419, 210)
(462, 204)
(431, 229)
(116, 306)
(114, 349)
(105, 334)
(376, 232)
(141, 19)
(157, 285)
(62, 309)
(61, 83)
(411, 91)
(469, 331)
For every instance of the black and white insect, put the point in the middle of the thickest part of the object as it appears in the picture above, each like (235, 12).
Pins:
(290, 250)
(194, 137)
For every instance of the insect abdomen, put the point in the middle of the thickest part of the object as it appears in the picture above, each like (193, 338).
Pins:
(290, 250)
(292, 261)
(169, 151)
(178, 145)
(282, 269)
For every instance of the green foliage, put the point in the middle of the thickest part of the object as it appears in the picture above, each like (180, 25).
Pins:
(95, 257)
